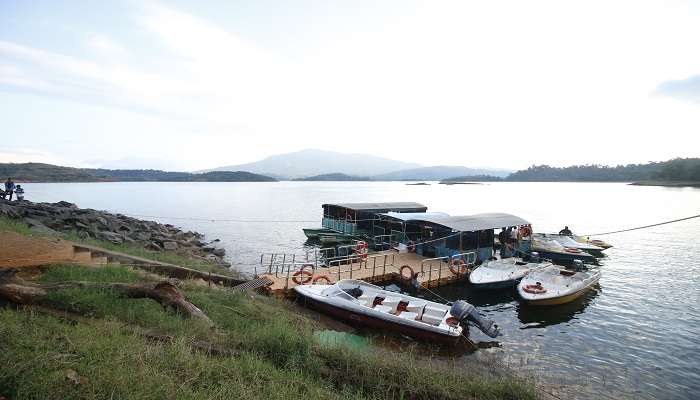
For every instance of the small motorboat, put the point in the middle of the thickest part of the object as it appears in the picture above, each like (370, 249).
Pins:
(554, 285)
(503, 273)
(571, 242)
(362, 303)
(555, 251)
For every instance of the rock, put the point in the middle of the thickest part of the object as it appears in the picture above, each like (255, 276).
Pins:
(81, 225)
(153, 246)
(84, 234)
(170, 245)
(219, 252)
(102, 220)
(111, 237)
(142, 236)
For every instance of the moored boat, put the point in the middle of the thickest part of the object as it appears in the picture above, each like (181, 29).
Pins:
(371, 306)
(572, 242)
(503, 273)
(555, 285)
(555, 251)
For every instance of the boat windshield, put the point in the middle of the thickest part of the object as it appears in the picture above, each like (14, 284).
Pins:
(335, 291)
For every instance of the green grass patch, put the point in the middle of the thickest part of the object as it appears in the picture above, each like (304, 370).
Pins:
(279, 357)
(12, 225)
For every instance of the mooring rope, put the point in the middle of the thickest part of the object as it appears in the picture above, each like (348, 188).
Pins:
(644, 227)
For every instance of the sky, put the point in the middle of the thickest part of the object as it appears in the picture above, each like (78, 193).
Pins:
(185, 85)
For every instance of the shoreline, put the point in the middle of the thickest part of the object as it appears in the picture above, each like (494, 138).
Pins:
(667, 184)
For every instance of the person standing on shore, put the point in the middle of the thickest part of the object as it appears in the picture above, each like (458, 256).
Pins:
(9, 188)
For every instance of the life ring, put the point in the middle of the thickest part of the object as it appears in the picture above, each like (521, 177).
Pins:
(458, 266)
(534, 289)
(411, 246)
(597, 242)
(525, 231)
(404, 277)
(322, 277)
(306, 275)
(571, 250)
(362, 250)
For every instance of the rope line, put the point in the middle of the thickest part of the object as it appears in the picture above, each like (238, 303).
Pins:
(645, 226)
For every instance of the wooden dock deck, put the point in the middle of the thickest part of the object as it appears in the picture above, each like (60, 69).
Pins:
(381, 267)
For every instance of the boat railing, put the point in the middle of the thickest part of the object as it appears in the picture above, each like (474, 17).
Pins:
(427, 265)
(382, 242)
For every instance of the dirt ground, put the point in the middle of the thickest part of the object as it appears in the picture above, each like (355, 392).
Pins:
(22, 251)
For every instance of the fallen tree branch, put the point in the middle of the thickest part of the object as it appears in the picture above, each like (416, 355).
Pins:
(18, 291)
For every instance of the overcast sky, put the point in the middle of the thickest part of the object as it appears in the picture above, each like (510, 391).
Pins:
(185, 85)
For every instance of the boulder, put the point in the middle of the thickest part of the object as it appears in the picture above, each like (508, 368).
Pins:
(219, 252)
(111, 237)
(170, 245)
(153, 246)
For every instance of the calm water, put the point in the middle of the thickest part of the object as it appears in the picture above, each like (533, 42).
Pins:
(637, 335)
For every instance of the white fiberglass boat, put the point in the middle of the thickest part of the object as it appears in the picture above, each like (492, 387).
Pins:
(502, 273)
(571, 242)
(369, 305)
(555, 285)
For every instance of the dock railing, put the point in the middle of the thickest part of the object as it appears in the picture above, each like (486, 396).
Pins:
(427, 265)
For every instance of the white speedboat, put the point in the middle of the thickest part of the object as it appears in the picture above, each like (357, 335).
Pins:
(555, 285)
(571, 242)
(369, 305)
(502, 273)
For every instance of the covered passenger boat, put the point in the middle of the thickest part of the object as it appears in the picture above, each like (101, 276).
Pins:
(371, 306)
(434, 235)
(355, 221)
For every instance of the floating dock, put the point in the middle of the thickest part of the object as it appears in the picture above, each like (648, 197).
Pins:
(382, 267)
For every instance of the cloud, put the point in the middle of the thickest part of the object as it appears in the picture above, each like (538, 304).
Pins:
(682, 89)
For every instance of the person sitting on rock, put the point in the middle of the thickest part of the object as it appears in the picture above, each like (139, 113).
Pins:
(19, 191)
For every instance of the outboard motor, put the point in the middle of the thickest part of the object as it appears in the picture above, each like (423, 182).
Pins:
(535, 257)
(466, 312)
(578, 265)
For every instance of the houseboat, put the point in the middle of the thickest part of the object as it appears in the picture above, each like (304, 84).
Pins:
(346, 222)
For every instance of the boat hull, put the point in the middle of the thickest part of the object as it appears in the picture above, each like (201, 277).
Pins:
(554, 301)
(359, 319)
(496, 285)
(564, 257)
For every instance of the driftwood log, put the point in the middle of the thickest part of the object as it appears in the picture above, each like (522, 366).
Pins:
(19, 291)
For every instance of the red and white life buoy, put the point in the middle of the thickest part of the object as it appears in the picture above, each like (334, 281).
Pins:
(303, 276)
(403, 276)
(572, 250)
(534, 289)
(362, 250)
(458, 266)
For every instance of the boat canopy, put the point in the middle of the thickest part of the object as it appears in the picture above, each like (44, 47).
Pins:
(381, 207)
(408, 216)
(472, 223)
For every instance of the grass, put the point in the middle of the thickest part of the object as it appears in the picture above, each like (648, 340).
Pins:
(278, 357)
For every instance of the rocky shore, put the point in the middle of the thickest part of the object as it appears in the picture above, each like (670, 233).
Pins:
(64, 217)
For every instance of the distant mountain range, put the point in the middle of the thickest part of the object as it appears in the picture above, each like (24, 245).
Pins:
(312, 163)
(37, 172)
(334, 177)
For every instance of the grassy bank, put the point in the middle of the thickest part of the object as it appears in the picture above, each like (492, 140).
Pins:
(100, 345)
(172, 257)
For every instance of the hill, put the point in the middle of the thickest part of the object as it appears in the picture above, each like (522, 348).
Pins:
(333, 177)
(308, 163)
(37, 172)
(436, 173)
(473, 178)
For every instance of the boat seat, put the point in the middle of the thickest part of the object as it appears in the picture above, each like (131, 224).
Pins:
(408, 315)
(392, 302)
(417, 307)
(382, 308)
(433, 315)
(367, 300)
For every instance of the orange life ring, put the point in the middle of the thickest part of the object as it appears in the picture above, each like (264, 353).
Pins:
(534, 289)
(458, 266)
(571, 250)
(404, 277)
(307, 276)
(321, 277)
(411, 246)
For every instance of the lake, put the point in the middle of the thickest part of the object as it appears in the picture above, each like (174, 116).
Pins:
(636, 335)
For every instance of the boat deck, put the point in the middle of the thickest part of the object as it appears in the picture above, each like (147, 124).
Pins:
(381, 267)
